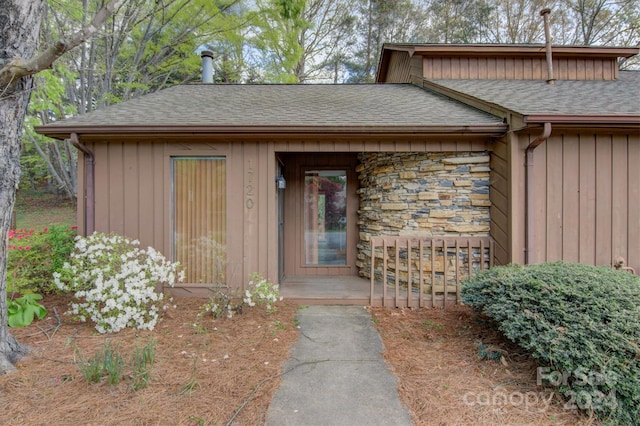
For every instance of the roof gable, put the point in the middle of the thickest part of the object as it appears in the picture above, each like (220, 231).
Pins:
(399, 62)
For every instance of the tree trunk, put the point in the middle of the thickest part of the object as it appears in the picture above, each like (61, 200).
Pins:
(20, 21)
(19, 61)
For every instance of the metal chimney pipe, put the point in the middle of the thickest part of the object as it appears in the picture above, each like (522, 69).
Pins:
(207, 66)
(547, 36)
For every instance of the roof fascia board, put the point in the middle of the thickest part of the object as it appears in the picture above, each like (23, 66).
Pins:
(63, 132)
(513, 50)
(596, 119)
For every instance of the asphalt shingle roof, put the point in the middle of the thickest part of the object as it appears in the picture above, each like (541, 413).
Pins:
(565, 97)
(286, 105)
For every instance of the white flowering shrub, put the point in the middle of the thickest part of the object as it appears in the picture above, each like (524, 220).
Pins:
(114, 282)
(220, 305)
(261, 292)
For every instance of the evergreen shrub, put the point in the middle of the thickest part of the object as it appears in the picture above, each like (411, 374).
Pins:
(581, 323)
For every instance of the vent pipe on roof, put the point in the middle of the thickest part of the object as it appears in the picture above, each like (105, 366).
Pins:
(207, 66)
(547, 37)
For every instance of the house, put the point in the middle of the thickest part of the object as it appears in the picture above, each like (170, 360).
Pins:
(489, 147)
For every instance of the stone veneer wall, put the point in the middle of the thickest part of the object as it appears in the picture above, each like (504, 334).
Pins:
(421, 194)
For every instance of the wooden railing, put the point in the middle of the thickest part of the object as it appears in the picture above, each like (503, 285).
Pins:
(424, 271)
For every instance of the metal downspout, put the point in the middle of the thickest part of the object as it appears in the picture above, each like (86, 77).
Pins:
(529, 201)
(89, 184)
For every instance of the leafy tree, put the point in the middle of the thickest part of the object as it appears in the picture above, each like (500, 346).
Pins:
(19, 61)
(144, 46)
(44, 159)
(277, 39)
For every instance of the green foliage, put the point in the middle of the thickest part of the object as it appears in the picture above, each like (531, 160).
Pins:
(144, 46)
(488, 352)
(35, 256)
(108, 364)
(143, 360)
(44, 160)
(113, 365)
(258, 292)
(24, 309)
(219, 305)
(582, 321)
(91, 370)
(192, 385)
(261, 292)
(281, 24)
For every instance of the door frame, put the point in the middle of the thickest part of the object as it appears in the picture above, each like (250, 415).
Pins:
(293, 230)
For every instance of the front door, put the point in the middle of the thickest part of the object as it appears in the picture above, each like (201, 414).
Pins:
(320, 209)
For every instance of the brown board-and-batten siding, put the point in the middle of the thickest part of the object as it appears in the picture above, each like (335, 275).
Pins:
(587, 198)
(133, 188)
(133, 198)
(516, 68)
(500, 196)
(402, 67)
(401, 63)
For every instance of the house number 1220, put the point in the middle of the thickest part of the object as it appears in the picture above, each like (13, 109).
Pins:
(249, 188)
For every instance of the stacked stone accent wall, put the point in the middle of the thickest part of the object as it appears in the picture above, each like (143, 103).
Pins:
(422, 194)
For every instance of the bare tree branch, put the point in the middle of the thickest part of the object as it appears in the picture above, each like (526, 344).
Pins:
(12, 72)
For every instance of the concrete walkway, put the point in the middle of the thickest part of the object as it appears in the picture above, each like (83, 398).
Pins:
(336, 374)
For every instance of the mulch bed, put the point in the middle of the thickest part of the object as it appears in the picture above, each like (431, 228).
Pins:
(212, 372)
(226, 371)
(435, 355)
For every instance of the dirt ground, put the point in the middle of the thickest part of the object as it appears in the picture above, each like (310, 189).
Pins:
(226, 371)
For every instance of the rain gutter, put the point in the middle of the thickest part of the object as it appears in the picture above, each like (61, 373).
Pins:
(529, 199)
(477, 129)
(89, 184)
(575, 119)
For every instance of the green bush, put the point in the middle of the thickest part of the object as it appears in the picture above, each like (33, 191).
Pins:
(582, 322)
(35, 255)
(23, 310)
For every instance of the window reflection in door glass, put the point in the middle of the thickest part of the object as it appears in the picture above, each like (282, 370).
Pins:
(325, 217)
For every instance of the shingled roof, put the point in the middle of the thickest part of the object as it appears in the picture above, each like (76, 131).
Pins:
(283, 108)
(591, 100)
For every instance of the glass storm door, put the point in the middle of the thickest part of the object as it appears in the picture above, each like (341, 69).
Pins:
(325, 217)
(200, 217)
